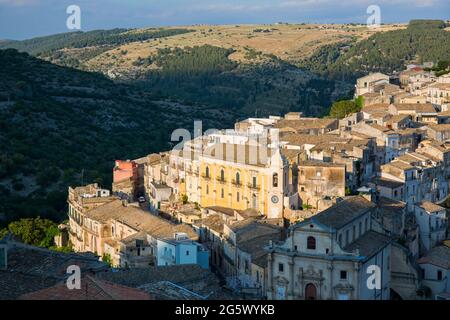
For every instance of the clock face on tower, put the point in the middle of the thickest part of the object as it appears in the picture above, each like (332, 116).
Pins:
(275, 199)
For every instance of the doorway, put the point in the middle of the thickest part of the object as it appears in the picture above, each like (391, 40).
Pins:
(310, 292)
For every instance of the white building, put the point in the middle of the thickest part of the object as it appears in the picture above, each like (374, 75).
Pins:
(367, 83)
(181, 250)
(332, 256)
(432, 222)
(435, 268)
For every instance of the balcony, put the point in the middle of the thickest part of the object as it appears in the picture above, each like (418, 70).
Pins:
(219, 179)
(236, 183)
(204, 176)
(253, 187)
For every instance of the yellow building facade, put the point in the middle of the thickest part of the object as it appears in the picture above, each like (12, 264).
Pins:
(242, 177)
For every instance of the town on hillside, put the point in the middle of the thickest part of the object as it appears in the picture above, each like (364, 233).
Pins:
(281, 208)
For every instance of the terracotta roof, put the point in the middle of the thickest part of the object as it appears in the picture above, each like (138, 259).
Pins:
(189, 276)
(389, 206)
(256, 247)
(400, 165)
(344, 211)
(444, 113)
(251, 228)
(430, 206)
(369, 244)
(306, 123)
(375, 107)
(387, 183)
(139, 220)
(381, 128)
(398, 117)
(31, 269)
(442, 86)
(371, 94)
(417, 107)
(244, 154)
(314, 163)
(213, 222)
(291, 154)
(438, 256)
(439, 127)
(91, 289)
(228, 211)
(297, 139)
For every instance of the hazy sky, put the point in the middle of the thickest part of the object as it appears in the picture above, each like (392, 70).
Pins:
(21, 19)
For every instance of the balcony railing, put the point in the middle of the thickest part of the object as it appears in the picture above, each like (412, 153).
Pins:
(220, 180)
(236, 183)
(252, 186)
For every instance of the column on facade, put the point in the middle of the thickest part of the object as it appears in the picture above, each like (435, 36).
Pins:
(269, 276)
(291, 278)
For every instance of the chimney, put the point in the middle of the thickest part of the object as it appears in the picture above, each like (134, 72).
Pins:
(367, 193)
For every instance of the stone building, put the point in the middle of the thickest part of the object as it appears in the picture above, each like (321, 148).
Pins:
(108, 226)
(243, 177)
(331, 256)
(319, 182)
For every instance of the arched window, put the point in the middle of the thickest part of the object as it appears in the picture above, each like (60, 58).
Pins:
(112, 231)
(207, 172)
(222, 194)
(237, 196)
(275, 180)
(311, 243)
(238, 178)
(222, 175)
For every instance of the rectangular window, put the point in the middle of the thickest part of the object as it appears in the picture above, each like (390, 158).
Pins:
(254, 182)
(187, 252)
(280, 267)
(343, 275)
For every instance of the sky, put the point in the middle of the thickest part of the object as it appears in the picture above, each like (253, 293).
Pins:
(23, 19)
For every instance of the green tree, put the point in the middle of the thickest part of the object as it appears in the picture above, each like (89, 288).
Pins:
(106, 258)
(359, 102)
(343, 108)
(35, 231)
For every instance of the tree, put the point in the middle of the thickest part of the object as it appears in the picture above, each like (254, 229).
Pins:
(359, 102)
(106, 258)
(343, 108)
(35, 231)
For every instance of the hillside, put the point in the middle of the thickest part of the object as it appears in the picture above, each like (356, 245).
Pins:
(421, 41)
(84, 99)
(60, 127)
(262, 75)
